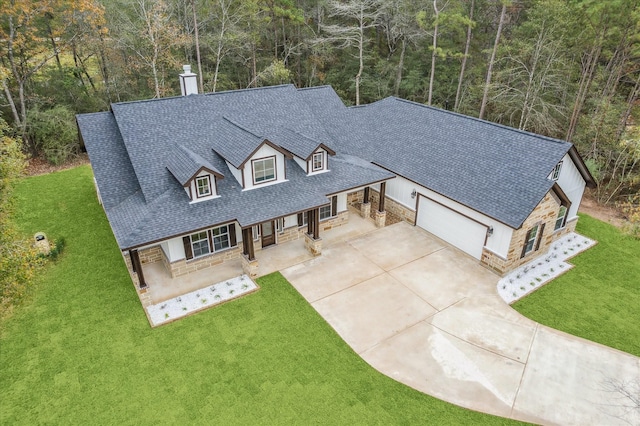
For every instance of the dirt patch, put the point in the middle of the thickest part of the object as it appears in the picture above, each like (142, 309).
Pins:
(40, 166)
(604, 213)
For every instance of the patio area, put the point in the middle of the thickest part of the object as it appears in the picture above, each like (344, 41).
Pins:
(274, 258)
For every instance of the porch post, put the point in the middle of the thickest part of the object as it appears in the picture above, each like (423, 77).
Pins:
(316, 224)
(310, 222)
(247, 243)
(137, 268)
(365, 199)
(383, 187)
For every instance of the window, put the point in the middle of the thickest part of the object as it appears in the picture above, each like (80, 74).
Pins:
(562, 215)
(264, 170)
(280, 225)
(556, 171)
(221, 238)
(255, 230)
(200, 244)
(330, 210)
(303, 218)
(203, 186)
(530, 240)
(317, 161)
(325, 212)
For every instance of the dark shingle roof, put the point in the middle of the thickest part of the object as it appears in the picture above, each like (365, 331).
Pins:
(496, 170)
(184, 164)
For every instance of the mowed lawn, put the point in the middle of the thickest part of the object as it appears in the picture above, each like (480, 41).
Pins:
(599, 299)
(81, 351)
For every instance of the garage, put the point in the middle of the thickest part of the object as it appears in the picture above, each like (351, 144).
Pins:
(452, 227)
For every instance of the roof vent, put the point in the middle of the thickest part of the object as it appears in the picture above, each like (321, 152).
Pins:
(188, 82)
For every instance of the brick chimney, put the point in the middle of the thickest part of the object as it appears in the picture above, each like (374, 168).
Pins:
(188, 82)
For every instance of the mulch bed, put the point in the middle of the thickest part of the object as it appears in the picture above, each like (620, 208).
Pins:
(39, 166)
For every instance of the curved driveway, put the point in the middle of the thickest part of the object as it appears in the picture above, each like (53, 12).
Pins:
(427, 315)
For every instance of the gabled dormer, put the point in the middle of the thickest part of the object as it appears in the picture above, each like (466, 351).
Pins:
(197, 176)
(253, 160)
(312, 156)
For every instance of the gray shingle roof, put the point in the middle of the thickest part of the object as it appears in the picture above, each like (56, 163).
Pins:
(496, 170)
(184, 164)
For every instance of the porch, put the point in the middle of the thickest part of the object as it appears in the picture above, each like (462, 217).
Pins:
(162, 287)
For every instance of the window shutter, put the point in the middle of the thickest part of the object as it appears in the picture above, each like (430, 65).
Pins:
(300, 219)
(186, 241)
(539, 237)
(232, 235)
(210, 236)
(526, 240)
(334, 205)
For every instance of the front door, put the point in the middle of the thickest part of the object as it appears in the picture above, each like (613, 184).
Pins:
(268, 234)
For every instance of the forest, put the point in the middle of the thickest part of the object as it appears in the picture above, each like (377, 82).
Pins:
(568, 69)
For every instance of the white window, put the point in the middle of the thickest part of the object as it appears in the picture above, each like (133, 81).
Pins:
(221, 238)
(203, 186)
(264, 170)
(562, 215)
(280, 225)
(556, 171)
(530, 240)
(200, 244)
(256, 232)
(317, 161)
(303, 218)
(325, 212)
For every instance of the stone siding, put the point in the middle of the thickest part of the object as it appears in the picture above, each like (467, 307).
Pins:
(545, 212)
(151, 255)
(183, 266)
(338, 220)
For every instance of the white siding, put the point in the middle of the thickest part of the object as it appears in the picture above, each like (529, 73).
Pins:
(212, 180)
(572, 183)
(263, 152)
(301, 163)
(324, 162)
(400, 189)
(173, 249)
(342, 202)
(235, 172)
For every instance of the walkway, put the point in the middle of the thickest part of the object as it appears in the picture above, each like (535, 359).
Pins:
(429, 316)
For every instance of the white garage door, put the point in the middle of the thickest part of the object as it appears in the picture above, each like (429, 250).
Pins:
(456, 229)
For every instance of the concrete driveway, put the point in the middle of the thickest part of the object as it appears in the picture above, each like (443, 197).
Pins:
(427, 315)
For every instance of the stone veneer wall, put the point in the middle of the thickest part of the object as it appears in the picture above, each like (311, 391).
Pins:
(395, 211)
(545, 212)
(183, 266)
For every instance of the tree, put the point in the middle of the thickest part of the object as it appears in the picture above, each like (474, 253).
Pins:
(18, 259)
(492, 59)
(361, 15)
(28, 30)
(464, 56)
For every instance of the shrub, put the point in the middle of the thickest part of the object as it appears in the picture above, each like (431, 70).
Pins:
(53, 133)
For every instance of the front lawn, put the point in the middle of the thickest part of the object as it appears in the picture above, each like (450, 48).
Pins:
(599, 299)
(81, 351)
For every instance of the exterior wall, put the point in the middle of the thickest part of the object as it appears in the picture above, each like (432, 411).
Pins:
(301, 163)
(264, 151)
(545, 212)
(183, 266)
(212, 180)
(237, 173)
(340, 219)
(573, 184)
(324, 163)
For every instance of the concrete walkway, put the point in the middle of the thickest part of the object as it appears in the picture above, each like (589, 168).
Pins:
(429, 316)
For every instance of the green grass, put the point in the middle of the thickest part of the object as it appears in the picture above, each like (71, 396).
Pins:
(599, 299)
(81, 351)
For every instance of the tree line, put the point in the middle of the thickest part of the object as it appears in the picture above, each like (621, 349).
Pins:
(567, 69)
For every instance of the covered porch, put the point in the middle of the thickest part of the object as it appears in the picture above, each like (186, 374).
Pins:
(161, 286)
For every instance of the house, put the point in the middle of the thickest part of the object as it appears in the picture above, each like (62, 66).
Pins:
(197, 180)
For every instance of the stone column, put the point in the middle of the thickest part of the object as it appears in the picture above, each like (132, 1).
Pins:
(365, 210)
(313, 245)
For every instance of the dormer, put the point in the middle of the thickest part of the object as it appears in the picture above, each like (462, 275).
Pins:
(312, 156)
(197, 176)
(253, 160)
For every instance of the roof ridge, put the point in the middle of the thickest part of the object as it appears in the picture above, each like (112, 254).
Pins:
(468, 117)
(241, 127)
(248, 89)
